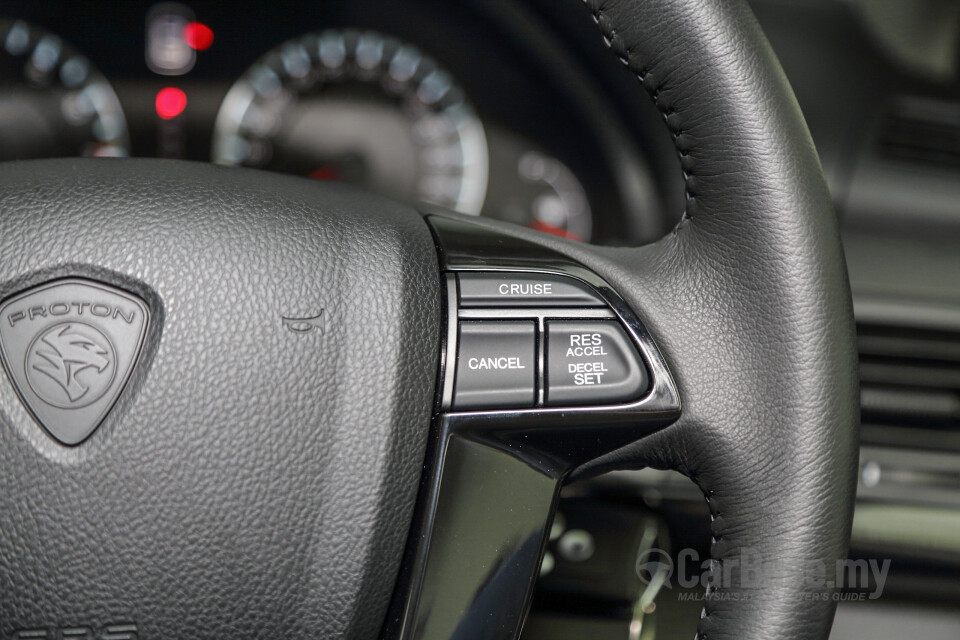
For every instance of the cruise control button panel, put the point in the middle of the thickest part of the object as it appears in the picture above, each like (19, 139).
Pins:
(529, 340)
(591, 363)
(502, 289)
(496, 365)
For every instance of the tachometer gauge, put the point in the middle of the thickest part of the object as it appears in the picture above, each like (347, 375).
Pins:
(530, 187)
(53, 102)
(360, 107)
(561, 208)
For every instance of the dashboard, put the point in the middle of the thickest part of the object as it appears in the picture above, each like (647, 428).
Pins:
(448, 104)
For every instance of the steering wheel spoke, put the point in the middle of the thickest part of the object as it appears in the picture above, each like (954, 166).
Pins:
(520, 318)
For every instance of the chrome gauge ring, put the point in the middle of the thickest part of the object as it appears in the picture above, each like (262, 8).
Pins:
(360, 107)
(53, 100)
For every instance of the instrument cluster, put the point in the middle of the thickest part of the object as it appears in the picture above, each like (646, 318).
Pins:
(364, 93)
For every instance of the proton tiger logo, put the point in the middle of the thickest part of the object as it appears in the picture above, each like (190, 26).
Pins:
(69, 347)
(70, 365)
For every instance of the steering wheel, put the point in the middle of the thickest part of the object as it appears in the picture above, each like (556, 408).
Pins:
(239, 403)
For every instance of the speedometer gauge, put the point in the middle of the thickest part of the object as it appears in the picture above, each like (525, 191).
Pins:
(360, 107)
(53, 102)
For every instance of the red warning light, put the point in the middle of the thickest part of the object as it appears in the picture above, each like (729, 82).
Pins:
(198, 36)
(170, 102)
(327, 172)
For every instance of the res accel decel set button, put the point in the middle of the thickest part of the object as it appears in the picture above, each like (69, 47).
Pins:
(591, 363)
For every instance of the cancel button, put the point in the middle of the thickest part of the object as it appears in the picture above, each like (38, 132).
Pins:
(496, 366)
(591, 363)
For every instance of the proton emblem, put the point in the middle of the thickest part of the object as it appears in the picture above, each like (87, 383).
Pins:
(68, 348)
(70, 365)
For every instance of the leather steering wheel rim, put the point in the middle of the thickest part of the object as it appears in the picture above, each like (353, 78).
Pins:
(752, 280)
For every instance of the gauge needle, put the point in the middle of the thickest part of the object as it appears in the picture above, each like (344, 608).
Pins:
(546, 227)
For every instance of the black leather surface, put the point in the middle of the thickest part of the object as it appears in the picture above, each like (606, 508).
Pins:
(252, 482)
(749, 301)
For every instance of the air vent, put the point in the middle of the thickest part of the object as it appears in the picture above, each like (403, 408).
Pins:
(910, 385)
(922, 130)
(910, 414)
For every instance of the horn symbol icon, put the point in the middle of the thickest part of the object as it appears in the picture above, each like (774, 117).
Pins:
(304, 325)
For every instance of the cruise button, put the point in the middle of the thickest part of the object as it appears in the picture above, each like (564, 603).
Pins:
(591, 363)
(495, 289)
(496, 366)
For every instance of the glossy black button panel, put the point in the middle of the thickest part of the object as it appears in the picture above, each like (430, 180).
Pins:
(591, 363)
(511, 353)
(496, 367)
(505, 289)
